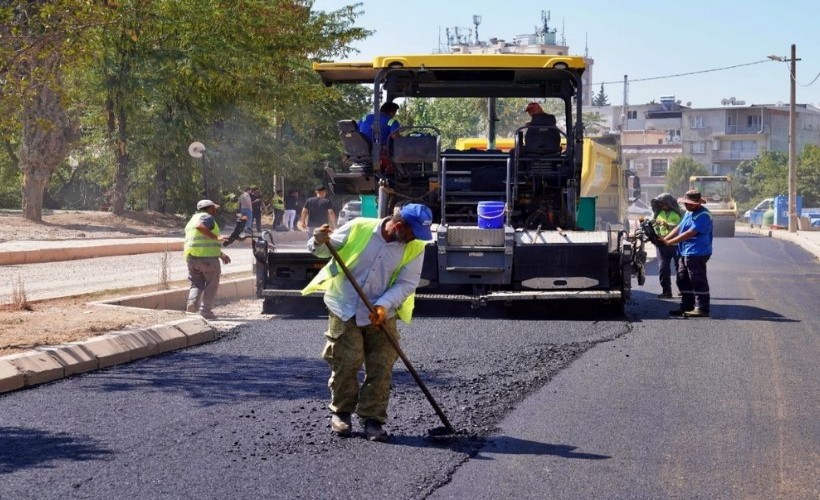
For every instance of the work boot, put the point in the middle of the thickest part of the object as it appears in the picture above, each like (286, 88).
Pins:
(665, 295)
(207, 315)
(373, 430)
(680, 313)
(696, 313)
(340, 424)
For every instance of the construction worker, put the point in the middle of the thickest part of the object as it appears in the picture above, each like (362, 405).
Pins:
(278, 203)
(202, 252)
(384, 256)
(694, 239)
(666, 217)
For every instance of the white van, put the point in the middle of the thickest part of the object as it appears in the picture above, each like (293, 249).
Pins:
(763, 205)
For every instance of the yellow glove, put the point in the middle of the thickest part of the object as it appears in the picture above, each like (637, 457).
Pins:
(378, 316)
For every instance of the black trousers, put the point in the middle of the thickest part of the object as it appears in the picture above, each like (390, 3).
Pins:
(692, 283)
(666, 255)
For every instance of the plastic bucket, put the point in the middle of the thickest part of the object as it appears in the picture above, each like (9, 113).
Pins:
(490, 214)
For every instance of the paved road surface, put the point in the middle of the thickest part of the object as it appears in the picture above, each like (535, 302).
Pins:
(649, 407)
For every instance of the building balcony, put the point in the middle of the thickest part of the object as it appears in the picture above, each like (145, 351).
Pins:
(734, 155)
(746, 130)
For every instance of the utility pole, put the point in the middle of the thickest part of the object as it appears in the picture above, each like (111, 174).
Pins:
(793, 143)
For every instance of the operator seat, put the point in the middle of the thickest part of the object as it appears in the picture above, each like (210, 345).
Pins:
(542, 136)
(357, 146)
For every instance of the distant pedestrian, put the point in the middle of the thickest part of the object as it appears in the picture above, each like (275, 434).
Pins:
(694, 239)
(246, 208)
(202, 252)
(278, 204)
(318, 211)
(293, 203)
(256, 202)
(666, 217)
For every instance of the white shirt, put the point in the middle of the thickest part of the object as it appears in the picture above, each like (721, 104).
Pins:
(372, 271)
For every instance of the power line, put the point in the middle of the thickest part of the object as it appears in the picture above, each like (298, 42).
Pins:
(687, 74)
(786, 62)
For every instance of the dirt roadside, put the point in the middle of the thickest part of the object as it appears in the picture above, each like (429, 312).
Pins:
(28, 325)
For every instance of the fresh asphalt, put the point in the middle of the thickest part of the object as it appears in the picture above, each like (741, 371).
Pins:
(566, 402)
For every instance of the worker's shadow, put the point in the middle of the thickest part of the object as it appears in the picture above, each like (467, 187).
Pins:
(482, 449)
(645, 305)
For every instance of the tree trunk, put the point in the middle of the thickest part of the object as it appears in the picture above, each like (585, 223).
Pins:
(158, 197)
(117, 129)
(46, 135)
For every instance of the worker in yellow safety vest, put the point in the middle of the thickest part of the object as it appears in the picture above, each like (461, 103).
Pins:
(202, 252)
(385, 257)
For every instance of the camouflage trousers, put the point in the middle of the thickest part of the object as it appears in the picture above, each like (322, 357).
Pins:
(348, 347)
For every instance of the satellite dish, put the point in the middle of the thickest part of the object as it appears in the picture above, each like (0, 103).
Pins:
(196, 149)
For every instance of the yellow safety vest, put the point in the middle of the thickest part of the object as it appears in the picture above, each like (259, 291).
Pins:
(196, 243)
(357, 240)
(670, 217)
(278, 203)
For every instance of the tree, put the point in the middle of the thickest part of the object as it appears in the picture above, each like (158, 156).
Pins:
(808, 175)
(600, 99)
(677, 176)
(36, 40)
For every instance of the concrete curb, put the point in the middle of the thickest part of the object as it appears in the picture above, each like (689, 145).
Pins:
(46, 364)
(82, 249)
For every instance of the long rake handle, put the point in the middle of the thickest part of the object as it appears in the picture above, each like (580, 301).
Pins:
(392, 340)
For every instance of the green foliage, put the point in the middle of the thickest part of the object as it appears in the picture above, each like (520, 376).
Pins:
(677, 176)
(808, 175)
(600, 99)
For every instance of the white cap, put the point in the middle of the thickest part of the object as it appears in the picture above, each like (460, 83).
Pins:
(205, 204)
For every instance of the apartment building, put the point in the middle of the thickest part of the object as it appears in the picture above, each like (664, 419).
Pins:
(654, 134)
(720, 138)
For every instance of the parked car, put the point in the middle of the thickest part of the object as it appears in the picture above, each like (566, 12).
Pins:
(349, 211)
(763, 205)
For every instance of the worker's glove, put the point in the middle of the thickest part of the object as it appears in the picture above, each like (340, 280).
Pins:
(225, 258)
(321, 235)
(378, 316)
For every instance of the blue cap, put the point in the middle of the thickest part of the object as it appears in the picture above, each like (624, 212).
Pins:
(419, 218)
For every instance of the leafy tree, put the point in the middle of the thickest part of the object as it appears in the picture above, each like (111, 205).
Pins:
(37, 38)
(600, 99)
(677, 176)
(808, 175)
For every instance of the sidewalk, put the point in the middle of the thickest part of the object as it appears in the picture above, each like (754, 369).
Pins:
(808, 240)
(40, 251)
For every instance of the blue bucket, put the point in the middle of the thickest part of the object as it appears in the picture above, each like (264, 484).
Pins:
(490, 214)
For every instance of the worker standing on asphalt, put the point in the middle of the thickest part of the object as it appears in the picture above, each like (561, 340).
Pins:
(694, 239)
(202, 252)
(385, 257)
(666, 218)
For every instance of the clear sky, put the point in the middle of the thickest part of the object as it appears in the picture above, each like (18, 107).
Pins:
(638, 38)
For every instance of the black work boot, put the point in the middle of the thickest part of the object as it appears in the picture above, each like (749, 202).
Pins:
(373, 430)
(340, 424)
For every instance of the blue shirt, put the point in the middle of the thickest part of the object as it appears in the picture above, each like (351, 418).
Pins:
(701, 244)
(372, 270)
(387, 126)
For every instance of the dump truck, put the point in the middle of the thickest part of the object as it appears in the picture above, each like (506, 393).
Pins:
(717, 191)
(527, 224)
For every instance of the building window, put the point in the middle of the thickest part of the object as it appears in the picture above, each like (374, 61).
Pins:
(698, 147)
(730, 121)
(753, 121)
(696, 121)
(659, 168)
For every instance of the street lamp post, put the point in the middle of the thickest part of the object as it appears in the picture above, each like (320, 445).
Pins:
(792, 136)
(197, 150)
